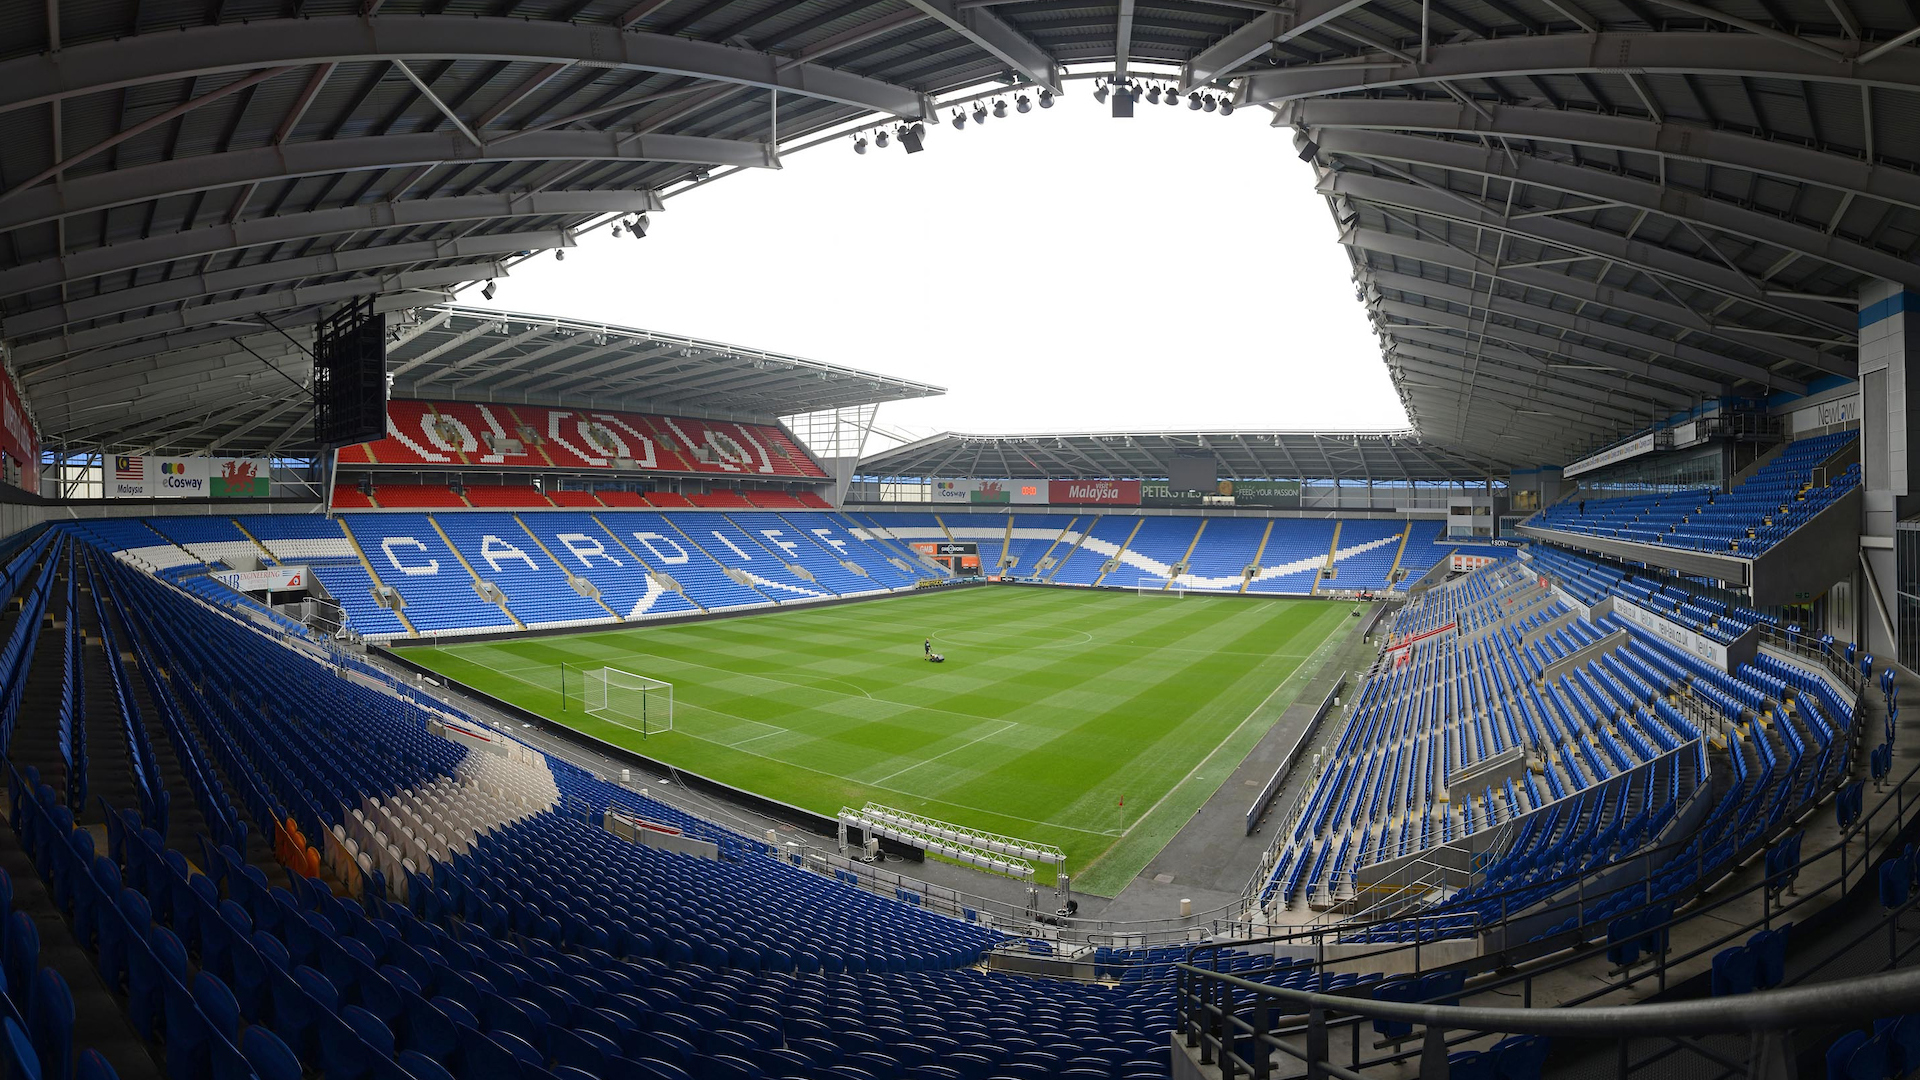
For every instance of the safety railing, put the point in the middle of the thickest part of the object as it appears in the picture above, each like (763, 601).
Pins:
(1788, 893)
(1246, 1028)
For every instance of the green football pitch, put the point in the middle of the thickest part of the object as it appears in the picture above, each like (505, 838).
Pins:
(1097, 721)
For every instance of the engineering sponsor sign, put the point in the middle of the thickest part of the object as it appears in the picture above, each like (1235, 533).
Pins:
(1683, 637)
(1279, 494)
(273, 579)
(1093, 492)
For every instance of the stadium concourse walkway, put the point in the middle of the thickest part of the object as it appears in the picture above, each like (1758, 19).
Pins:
(1211, 858)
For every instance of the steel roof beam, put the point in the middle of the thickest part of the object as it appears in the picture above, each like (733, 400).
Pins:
(1663, 53)
(1585, 354)
(1654, 260)
(245, 46)
(1523, 384)
(1259, 35)
(1670, 139)
(1481, 160)
(183, 176)
(320, 224)
(473, 333)
(1606, 385)
(994, 36)
(458, 362)
(197, 342)
(1580, 290)
(1477, 300)
(256, 275)
(282, 300)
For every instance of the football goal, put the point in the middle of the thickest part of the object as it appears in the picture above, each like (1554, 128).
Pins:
(632, 701)
(1159, 586)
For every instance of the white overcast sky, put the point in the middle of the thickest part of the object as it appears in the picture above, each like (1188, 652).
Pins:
(1058, 270)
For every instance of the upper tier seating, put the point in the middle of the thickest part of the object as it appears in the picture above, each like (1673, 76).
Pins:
(665, 499)
(506, 495)
(775, 500)
(814, 500)
(432, 496)
(564, 497)
(622, 498)
(350, 497)
(1758, 513)
(719, 499)
(449, 435)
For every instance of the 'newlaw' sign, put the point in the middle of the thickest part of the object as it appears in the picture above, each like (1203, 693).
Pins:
(1683, 637)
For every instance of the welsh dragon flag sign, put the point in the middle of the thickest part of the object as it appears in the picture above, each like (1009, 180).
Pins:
(240, 478)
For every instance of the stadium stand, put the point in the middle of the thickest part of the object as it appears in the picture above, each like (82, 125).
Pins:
(440, 590)
(1756, 514)
(462, 949)
(417, 496)
(513, 496)
(500, 551)
(1294, 553)
(448, 434)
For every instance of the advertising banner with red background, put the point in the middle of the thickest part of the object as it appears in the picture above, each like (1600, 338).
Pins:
(1094, 492)
(18, 441)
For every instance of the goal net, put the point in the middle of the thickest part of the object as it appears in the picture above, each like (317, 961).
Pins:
(1159, 586)
(632, 701)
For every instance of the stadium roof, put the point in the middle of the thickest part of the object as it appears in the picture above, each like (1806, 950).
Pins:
(1566, 216)
(466, 353)
(459, 353)
(1397, 456)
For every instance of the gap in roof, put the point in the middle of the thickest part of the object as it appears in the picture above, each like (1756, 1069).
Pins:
(1057, 270)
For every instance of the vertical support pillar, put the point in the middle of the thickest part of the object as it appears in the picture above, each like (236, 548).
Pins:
(1889, 439)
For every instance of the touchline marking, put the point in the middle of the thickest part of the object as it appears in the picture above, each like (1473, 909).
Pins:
(840, 776)
(1004, 726)
(1230, 735)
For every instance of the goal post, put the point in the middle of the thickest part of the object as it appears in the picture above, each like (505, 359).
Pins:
(1159, 586)
(632, 701)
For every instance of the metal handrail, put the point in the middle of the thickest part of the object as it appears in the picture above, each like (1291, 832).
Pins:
(1890, 993)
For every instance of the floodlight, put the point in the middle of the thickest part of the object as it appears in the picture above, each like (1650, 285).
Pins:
(979, 114)
(1226, 106)
(1173, 96)
(1153, 96)
(1209, 103)
(1193, 102)
(1046, 99)
(1000, 110)
(959, 120)
(638, 226)
(559, 256)
(1023, 103)
(910, 138)
(880, 138)
(487, 291)
(859, 146)
(1100, 95)
(616, 230)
